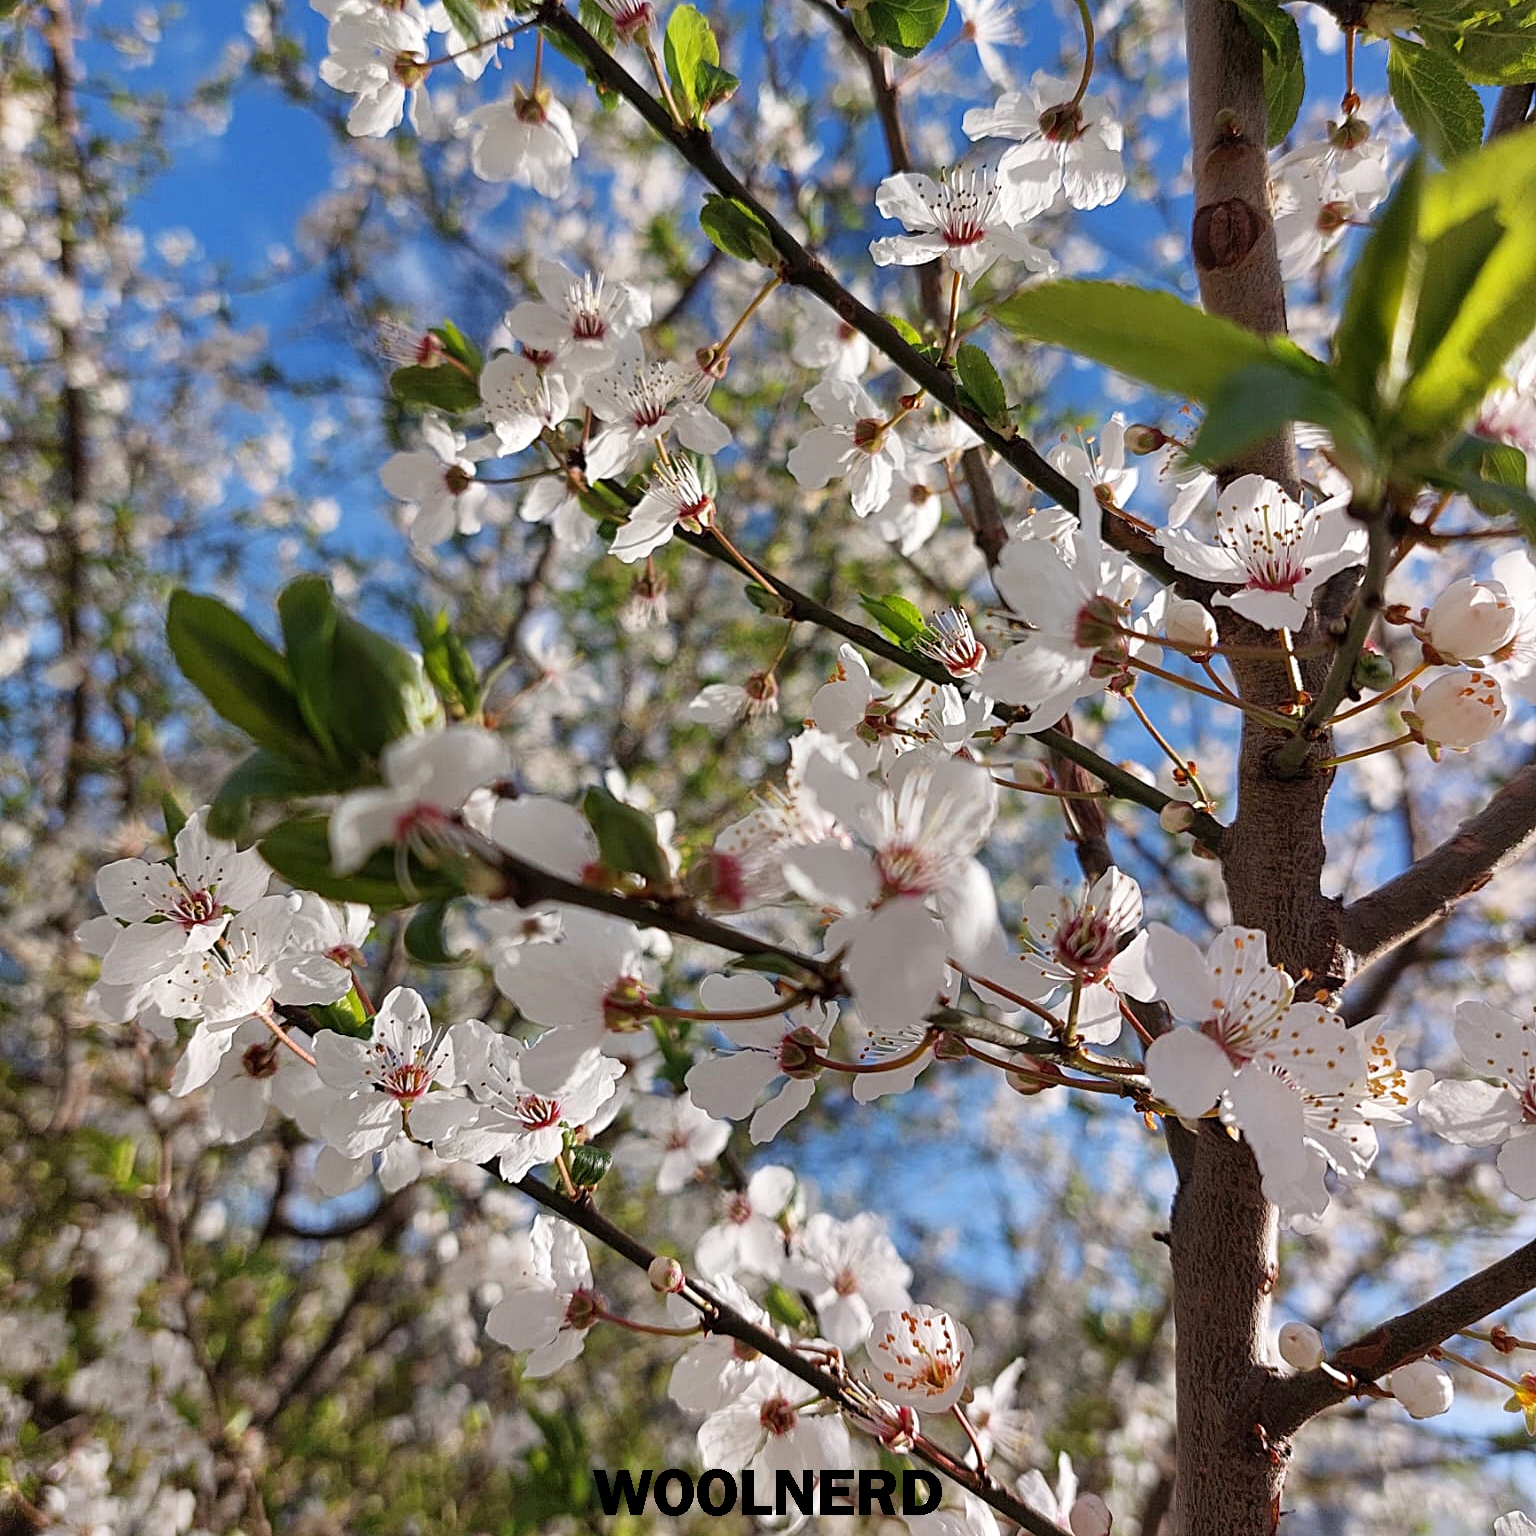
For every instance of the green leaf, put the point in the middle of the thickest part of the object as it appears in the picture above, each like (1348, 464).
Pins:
(902, 620)
(588, 1165)
(348, 1017)
(735, 229)
(245, 680)
(1500, 463)
(307, 612)
(1285, 88)
(1491, 497)
(266, 776)
(599, 23)
(1259, 400)
(688, 43)
(906, 330)
(980, 381)
(626, 836)
(904, 26)
(175, 817)
(458, 346)
(1144, 334)
(1493, 44)
(425, 941)
(443, 388)
(774, 604)
(449, 664)
(1443, 111)
(713, 86)
(1371, 345)
(300, 851)
(1272, 26)
(770, 965)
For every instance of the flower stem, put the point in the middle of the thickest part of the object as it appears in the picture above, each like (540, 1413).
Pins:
(1186, 767)
(1381, 746)
(1268, 716)
(661, 80)
(269, 1018)
(1088, 51)
(1397, 687)
(723, 346)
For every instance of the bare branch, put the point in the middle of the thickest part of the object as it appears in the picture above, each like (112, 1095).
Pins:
(1512, 110)
(1462, 864)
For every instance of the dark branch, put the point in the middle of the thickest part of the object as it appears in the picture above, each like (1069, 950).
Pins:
(1511, 111)
(1462, 864)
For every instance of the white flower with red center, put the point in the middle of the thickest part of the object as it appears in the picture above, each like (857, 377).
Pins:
(672, 1138)
(550, 1305)
(750, 1232)
(585, 323)
(850, 1270)
(917, 893)
(1072, 597)
(920, 1356)
(426, 780)
(1065, 148)
(726, 703)
(255, 1070)
(525, 138)
(784, 1045)
(1279, 551)
(769, 1429)
(520, 1125)
(1082, 944)
(967, 220)
(1500, 1113)
(1458, 710)
(522, 400)
(910, 515)
(642, 402)
(951, 642)
(676, 498)
(386, 1080)
(1100, 462)
(825, 341)
(1274, 1065)
(854, 443)
(588, 989)
(438, 483)
(632, 20)
(171, 911)
(716, 1370)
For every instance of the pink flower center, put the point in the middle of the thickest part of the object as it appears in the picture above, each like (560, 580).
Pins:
(778, 1416)
(538, 1113)
(1085, 943)
(194, 909)
(260, 1060)
(906, 870)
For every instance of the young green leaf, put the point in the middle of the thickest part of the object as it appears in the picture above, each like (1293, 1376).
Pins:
(904, 26)
(626, 836)
(688, 43)
(1285, 88)
(266, 776)
(444, 388)
(449, 664)
(1144, 334)
(300, 851)
(242, 677)
(425, 941)
(307, 613)
(1432, 93)
(713, 86)
(902, 620)
(980, 381)
(458, 346)
(737, 230)
(175, 817)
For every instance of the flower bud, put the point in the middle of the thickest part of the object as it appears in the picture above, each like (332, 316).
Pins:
(1090, 1516)
(1177, 816)
(1141, 439)
(1422, 1388)
(1373, 671)
(1349, 134)
(1458, 710)
(666, 1275)
(1469, 620)
(1301, 1346)
(1187, 623)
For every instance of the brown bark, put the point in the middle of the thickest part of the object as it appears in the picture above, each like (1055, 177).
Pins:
(1229, 1478)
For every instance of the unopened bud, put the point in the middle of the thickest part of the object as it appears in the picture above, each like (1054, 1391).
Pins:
(1373, 671)
(1176, 817)
(1301, 1346)
(1469, 620)
(1142, 439)
(1422, 1388)
(1188, 623)
(666, 1275)
(1458, 710)
(1090, 1516)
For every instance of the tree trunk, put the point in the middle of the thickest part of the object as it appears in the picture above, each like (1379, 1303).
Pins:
(1222, 1241)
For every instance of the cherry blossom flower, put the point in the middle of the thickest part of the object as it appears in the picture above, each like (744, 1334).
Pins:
(426, 779)
(522, 400)
(376, 55)
(1500, 1113)
(1001, 1424)
(525, 138)
(675, 498)
(1516, 1523)
(672, 1138)
(1458, 710)
(1280, 552)
(1517, 575)
(173, 910)
(1469, 621)
(632, 20)
(385, 1079)
(1063, 150)
(584, 324)
(716, 1370)
(920, 1356)
(438, 483)
(850, 1270)
(256, 1070)
(1265, 1057)
(642, 402)
(768, 1430)
(726, 703)
(952, 643)
(854, 443)
(549, 1307)
(779, 1047)
(989, 24)
(520, 1126)
(910, 515)
(1100, 462)
(968, 220)
(749, 1235)
(824, 341)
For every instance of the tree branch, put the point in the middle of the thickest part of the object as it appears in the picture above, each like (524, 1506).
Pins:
(1428, 890)
(1289, 1402)
(1512, 110)
(840, 1389)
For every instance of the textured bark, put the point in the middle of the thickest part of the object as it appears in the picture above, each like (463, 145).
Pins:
(1229, 1478)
